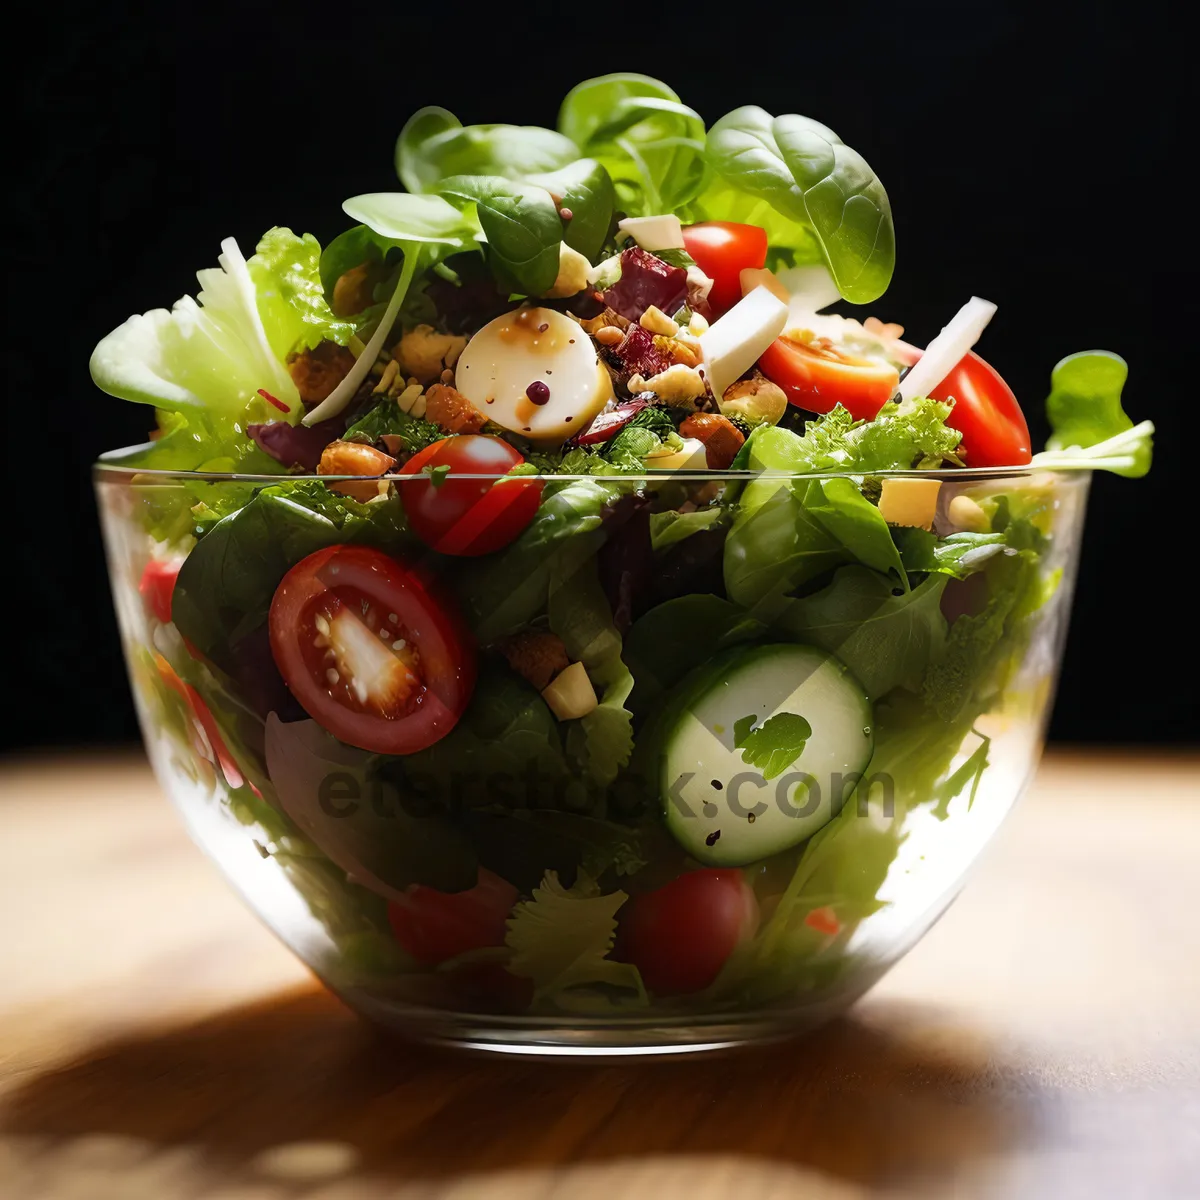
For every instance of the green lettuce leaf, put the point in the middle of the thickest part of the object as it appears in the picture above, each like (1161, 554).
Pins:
(561, 939)
(286, 270)
(210, 354)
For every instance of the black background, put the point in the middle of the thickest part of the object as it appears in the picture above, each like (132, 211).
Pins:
(1034, 157)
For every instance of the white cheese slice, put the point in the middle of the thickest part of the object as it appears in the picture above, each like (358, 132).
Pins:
(691, 456)
(733, 344)
(534, 346)
(911, 502)
(654, 233)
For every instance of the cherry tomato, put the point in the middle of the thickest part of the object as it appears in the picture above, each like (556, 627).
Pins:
(723, 250)
(986, 413)
(817, 377)
(680, 935)
(370, 651)
(434, 926)
(208, 741)
(157, 585)
(468, 517)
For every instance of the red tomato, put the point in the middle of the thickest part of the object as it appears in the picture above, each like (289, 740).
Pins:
(209, 742)
(434, 926)
(369, 651)
(468, 517)
(157, 585)
(817, 377)
(680, 935)
(986, 413)
(723, 250)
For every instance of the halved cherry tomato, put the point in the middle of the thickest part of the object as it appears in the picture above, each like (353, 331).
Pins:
(369, 650)
(986, 413)
(157, 585)
(210, 745)
(468, 517)
(435, 926)
(722, 250)
(680, 935)
(817, 377)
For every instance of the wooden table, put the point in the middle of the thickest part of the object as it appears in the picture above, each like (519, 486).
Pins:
(1044, 1039)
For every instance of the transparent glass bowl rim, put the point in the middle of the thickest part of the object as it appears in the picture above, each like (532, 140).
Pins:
(108, 468)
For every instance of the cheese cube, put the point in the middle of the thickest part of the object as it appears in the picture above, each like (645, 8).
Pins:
(733, 344)
(911, 502)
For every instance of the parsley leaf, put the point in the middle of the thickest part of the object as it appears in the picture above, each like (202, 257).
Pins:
(774, 745)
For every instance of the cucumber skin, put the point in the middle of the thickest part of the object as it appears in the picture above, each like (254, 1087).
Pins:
(697, 684)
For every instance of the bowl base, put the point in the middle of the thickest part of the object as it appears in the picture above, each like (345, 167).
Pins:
(582, 1037)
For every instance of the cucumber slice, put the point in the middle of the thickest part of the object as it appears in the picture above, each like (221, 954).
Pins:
(731, 799)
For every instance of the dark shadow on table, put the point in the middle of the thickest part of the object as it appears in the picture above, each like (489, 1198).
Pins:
(870, 1100)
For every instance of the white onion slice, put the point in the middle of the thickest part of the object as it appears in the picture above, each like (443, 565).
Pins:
(948, 349)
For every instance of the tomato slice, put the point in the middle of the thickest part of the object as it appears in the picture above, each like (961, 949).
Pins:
(468, 517)
(435, 926)
(157, 586)
(680, 935)
(986, 413)
(817, 376)
(369, 651)
(723, 250)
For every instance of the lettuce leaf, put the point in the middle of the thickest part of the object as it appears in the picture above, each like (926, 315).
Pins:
(212, 353)
(286, 270)
(561, 939)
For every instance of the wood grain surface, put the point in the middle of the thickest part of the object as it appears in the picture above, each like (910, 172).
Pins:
(1043, 1040)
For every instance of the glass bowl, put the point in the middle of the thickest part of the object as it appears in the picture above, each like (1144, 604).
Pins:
(556, 883)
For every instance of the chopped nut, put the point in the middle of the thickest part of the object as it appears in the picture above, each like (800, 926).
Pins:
(536, 656)
(449, 408)
(756, 400)
(448, 376)
(887, 330)
(354, 458)
(967, 514)
(318, 371)
(423, 353)
(419, 407)
(573, 271)
(408, 397)
(697, 325)
(387, 378)
(353, 291)
(605, 320)
(609, 335)
(657, 321)
(676, 385)
(678, 351)
(722, 439)
(394, 444)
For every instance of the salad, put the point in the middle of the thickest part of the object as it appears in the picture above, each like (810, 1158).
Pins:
(544, 570)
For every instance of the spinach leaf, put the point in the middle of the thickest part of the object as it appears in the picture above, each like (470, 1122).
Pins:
(660, 646)
(503, 592)
(522, 227)
(226, 584)
(388, 417)
(668, 528)
(807, 174)
(638, 130)
(887, 639)
(434, 144)
(585, 188)
(790, 532)
(369, 827)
